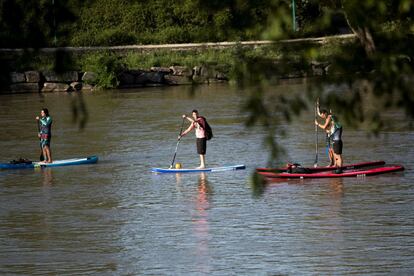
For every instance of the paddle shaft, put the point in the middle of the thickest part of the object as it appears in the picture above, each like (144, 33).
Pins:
(178, 142)
(42, 158)
(316, 138)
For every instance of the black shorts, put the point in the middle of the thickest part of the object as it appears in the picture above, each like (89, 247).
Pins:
(201, 146)
(337, 146)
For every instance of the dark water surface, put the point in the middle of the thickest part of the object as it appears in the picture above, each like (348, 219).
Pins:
(116, 218)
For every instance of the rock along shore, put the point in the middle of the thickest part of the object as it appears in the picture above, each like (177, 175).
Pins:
(72, 81)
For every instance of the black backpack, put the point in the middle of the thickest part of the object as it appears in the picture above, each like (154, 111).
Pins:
(298, 169)
(207, 129)
(21, 161)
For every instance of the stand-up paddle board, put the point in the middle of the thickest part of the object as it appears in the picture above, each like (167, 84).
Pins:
(216, 169)
(329, 168)
(330, 174)
(56, 163)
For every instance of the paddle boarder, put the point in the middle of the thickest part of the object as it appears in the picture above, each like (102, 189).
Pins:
(334, 131)
(45, 134)
(199, 124)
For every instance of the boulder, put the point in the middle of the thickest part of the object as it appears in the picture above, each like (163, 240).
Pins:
(67, 77)
(16, 77)
(87, 87)
(23, 87)
(89, 77)
(177, 80)
(141, 78)
(126, 78)
(199, 79)
(76, 86)
(181, 71)
(204, 71)
(156, 77)
(133, 78)
(161, 69)
(55, 87)
(319, 68)
(207, 74)
(32, 76)
(196, 71)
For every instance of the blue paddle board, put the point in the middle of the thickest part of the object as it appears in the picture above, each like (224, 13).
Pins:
(56, 163)
(216, 169)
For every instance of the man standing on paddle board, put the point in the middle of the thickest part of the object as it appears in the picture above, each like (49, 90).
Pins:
(45, 133)
(199, 124)
(334, 130)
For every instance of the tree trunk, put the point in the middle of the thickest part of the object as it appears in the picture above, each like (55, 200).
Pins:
(363, 33)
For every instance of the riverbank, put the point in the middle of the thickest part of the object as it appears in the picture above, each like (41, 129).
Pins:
(87, 68)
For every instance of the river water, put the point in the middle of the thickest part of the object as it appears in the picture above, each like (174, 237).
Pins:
(117, 218)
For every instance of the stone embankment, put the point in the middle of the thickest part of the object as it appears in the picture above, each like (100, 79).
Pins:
(35, 81)
(44, 82)
(174, 75)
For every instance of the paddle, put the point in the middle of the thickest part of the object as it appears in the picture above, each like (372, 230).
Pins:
(176, 147)
(315, 164)
(42, 158)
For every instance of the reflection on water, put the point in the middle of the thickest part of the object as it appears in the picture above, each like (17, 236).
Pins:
(47, 176)
(116, 218)
(201, 223)
(336, 187)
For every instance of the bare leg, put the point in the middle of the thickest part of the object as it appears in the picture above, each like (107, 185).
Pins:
(331, 157)
(48, 154)
(338, 160)
(202, 161)
(44, 154)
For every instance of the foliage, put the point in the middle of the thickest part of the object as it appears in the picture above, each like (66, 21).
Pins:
(107, 67)
(29, 23)
(374, 71)
(118, 22)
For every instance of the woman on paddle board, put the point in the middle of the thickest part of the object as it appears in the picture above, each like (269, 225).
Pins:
(334, 130)
(45, 133)
(199, 124)
(327, 139)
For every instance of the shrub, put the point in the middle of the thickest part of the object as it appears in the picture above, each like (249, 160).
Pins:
(107, 66)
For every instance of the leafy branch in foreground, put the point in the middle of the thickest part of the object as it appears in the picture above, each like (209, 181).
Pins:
(366, 77)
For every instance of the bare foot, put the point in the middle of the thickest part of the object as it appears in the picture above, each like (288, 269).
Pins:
(201, 167)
